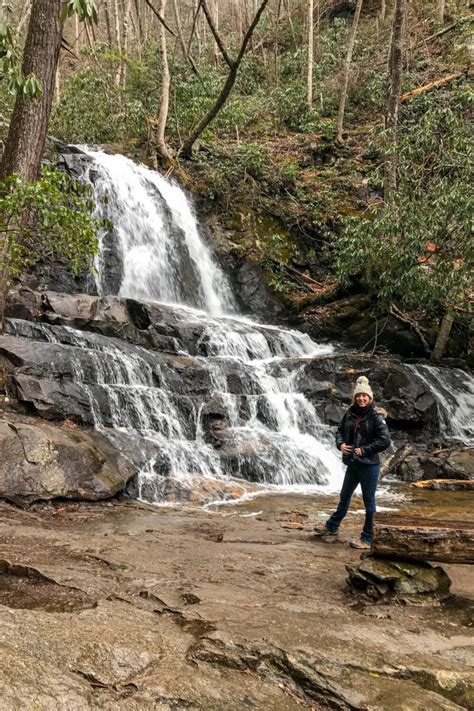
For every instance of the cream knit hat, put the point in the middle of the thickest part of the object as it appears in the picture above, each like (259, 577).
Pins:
(362, 386)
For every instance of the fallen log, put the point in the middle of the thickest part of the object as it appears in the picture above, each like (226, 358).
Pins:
(445, 484)
(431, 85)
(423, 539)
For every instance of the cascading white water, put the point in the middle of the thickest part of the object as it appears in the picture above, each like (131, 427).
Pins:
(277, 437)
(157, 237)
(454, 392)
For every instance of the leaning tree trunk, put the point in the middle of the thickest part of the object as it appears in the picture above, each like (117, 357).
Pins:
(395, 65)
(29, 124)
(442, 337)
(347, 71)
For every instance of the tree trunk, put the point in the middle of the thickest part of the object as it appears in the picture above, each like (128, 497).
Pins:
(29, 124)
(179, 30)
(440, 11)
(423, 539)
(126, 35)
(383, 10)
(395, 67)
(238, 18)
(216, 23)
(140, 27)
(442, 337)
(347, 71)
(118, 73)
(310, 53)
(161, 146)
(108, 22)
(187, 149)
(77, 41)
(23, 17)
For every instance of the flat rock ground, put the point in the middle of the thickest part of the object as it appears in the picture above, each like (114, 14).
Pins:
(124, 606)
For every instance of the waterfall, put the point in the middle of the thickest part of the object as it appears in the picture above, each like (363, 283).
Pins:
(453, 390)
(274, 435)
(156, 237)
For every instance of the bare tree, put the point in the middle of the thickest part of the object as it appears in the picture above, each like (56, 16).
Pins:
(108, 21)
(179, 30)
(127, 20)
(118, 43)
(395, 67)
(23, 17)
(347, 70)
(440, 10)
(310, 53)
(187, 149)
(161, 146)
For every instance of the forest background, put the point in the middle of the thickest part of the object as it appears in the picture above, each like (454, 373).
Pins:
(333, 139)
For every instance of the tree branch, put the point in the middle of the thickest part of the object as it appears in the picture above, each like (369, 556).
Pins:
(404, 318)
(160, 18)
(216, 34)
(250, 30)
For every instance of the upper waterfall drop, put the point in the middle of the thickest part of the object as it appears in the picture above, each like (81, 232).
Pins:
(163, 255)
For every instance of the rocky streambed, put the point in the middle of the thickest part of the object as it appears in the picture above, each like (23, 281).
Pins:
(120, 605)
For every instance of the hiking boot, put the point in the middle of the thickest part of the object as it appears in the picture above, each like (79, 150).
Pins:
(325, 534)
(360, 544)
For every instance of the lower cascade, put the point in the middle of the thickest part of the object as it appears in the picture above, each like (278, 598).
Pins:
(215, 396)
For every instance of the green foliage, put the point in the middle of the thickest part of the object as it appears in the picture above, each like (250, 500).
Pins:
(85, 10)
(418, 247)
(44, 220)
(10, 67)
(89, 107)
(278, 251)
(193, 96)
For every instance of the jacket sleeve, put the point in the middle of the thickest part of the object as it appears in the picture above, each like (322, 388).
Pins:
(340, 433)
(381, 440)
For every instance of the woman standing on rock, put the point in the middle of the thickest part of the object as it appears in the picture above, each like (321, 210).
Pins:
(362, 434)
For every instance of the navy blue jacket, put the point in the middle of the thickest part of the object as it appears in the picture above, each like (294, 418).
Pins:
(365, 428)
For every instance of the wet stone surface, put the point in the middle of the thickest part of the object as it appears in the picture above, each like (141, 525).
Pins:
(124, 606)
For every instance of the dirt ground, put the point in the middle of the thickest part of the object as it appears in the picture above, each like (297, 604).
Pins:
(120, 605)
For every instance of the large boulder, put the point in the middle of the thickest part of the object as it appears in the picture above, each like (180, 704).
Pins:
(42, 461)
(446, 463)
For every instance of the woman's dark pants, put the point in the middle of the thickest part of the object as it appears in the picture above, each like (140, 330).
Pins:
(367, 476)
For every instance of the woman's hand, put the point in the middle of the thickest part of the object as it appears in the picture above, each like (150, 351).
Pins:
(358, 452)
(346, 448)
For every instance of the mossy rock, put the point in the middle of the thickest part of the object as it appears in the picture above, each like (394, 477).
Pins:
(383, 578)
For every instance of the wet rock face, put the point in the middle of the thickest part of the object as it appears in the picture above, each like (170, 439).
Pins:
(253, 293)
(328, 382)
(449, 463)
(352, 320)
(121, 364)
(40, 461)
(385, 579)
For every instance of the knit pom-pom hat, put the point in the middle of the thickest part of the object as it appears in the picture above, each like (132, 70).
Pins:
(362, 386)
